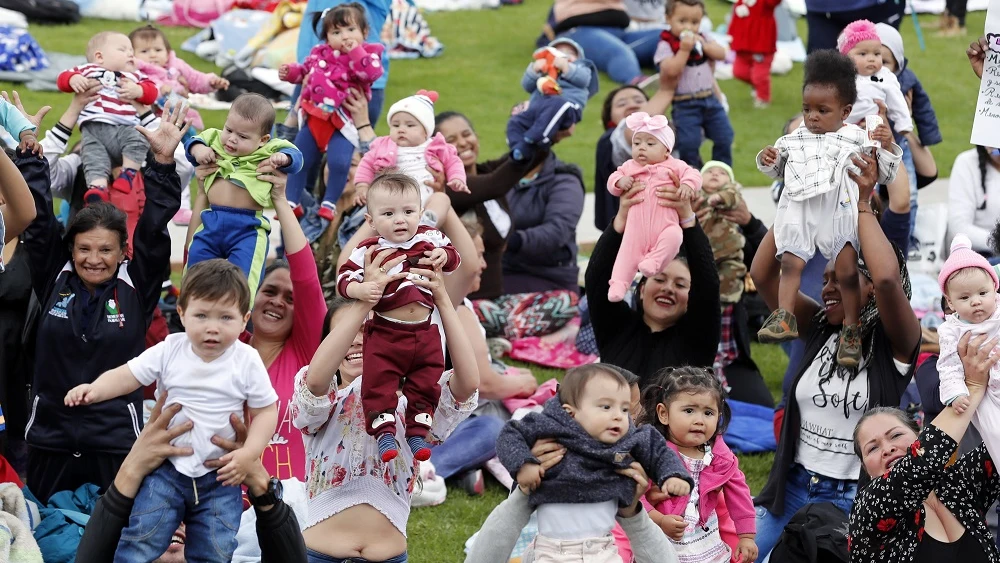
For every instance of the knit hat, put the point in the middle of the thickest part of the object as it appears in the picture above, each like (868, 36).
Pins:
(567, 41)
(719, 164)
(962, 256)
(420, 106)
(893, 40)
(854, 33)
(657, 126)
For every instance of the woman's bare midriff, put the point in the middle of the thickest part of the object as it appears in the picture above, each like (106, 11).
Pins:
(359, 531)
(409, 313)
(224, 193)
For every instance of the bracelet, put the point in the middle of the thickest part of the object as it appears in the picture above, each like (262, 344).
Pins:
(360, 127)
(688, 221)
(869, 210)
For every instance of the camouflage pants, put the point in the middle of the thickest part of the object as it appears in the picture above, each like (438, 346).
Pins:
(732, 271)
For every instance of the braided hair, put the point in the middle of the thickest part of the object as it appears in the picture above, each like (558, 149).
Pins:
(984, 159)
(668, 383)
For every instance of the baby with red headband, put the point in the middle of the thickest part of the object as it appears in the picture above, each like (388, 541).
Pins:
(652, 234)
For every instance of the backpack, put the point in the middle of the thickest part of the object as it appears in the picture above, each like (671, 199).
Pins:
(817, 533)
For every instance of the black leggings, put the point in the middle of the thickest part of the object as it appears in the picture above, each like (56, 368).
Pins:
(824, 27)
(957, 8)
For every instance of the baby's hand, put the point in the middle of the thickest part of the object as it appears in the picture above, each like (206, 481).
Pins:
(746, 551)
(128, 90)
(685, 193)
(203, 154)
(360, 194)
(438, 258)
(714, 200)
(237, 462)
(166, 89)
(280, 160)
(368, 292)
(217, 82)
(676, 487)
(625, 183)
(688, 41)
(673, 526)
(283, 71)
(561, 64)
(29, 142)
(81, 395)
(961, 404)
(769, 156)
(539, 66)
(530, 476)
(883, 135)
(457, 185)
(79, 83)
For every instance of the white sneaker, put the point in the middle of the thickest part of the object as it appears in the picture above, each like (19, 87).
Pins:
(430, 490)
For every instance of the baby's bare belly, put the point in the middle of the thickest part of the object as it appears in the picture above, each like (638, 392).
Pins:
(227, 194)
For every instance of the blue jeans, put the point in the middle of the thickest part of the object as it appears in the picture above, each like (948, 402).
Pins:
(317, 557)
(911, 174)
(616, 51)
(166, 498)
(473, 443)
(802, 487)
(693, 116)
(338, 162)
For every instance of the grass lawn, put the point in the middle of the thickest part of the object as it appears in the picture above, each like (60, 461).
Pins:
(479, 75)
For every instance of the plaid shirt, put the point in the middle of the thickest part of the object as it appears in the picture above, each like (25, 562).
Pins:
(728, 350)
(812, 164)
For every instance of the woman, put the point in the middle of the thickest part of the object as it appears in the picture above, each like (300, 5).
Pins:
(620, 103)
(96, 306)
(825, 401)
(676, 320)
(358, 505)
(974, 196)
(919, 507)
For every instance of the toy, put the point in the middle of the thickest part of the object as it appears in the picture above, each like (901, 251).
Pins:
(548, 83)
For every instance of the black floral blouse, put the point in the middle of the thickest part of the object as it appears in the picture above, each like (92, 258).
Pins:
(887, 523)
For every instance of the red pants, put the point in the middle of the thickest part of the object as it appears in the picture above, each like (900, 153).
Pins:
(755, 69)
(132, 204)
(401, 352)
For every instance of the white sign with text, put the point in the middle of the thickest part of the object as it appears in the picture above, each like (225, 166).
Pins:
(986, 127)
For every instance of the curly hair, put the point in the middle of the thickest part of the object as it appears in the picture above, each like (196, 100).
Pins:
(668, 383)
(830, 68)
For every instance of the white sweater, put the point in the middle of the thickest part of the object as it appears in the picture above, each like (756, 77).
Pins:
(965, 197)
(883, 85)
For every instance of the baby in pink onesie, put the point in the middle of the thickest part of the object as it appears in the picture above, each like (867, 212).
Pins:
(653, 232)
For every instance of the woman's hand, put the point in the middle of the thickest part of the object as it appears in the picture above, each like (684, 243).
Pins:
(268, 172)
(978, 357)
(251, 470)
(629, 197)
(866, 163)
(203, 171)
(739, 214)
(677, 196)
(977, 55)
(152, 447)
(431, 280)
(438, 180)
(357, 106)
(173, 124)
(377, 274)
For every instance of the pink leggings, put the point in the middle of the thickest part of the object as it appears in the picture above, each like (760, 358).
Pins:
(646, 246)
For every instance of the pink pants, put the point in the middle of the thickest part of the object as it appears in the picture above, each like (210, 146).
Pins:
(652, 239)
(755, 69)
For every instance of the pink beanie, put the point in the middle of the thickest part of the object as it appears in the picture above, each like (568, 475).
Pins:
(856, 32)
(657, 126)
(962, 256)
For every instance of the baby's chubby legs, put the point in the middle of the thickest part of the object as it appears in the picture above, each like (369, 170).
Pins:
(643, 249)
(846, 267)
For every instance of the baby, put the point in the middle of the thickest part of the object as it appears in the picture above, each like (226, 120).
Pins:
(401, 343)
(723, 193)
(411, 147)
(228, 219)
(107, 125)
(560, 81)
(212, 375)
(652, 232)
(168, 72)
(578, 498)
(861, 43)
(969, 284)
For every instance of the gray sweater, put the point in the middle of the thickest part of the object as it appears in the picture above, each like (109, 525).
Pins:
(587, 474)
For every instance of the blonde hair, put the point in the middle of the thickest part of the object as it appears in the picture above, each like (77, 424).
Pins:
(98, 41)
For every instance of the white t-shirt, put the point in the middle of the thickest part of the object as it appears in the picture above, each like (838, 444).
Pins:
(830, 405)
(412, 161)
(207, 391)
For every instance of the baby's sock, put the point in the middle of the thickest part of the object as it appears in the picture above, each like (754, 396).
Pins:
(421, 451)
(387, 446)
(123, 183)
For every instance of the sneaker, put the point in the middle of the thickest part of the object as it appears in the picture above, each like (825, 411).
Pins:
(327, 211)
(183, 217)
(849, 350)
(779, 327)
(96, 194)
(123, 183)
(760, 104)
(473, 482)
(499, 347)
(430, 489)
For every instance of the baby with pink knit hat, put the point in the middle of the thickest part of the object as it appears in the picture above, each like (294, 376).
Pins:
(653, 234)
(969, 283)
(860, 42)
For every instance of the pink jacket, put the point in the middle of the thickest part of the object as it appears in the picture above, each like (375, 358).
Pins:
(172, 74)
(329, 74)
(655, 175)
(722, 478)
(439, 154)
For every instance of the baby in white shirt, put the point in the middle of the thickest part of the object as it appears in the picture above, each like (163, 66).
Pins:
(211, 375)
(861, 43)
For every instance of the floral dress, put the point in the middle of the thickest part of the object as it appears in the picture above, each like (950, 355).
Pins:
(700, 544)
(887, 523)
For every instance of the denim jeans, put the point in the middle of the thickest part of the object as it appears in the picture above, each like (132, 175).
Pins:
(166, 498)
(911, 175)
(802, 487)
(693, 116)
(616, 51)
(338, 162)
(317, 557)
(472, 444)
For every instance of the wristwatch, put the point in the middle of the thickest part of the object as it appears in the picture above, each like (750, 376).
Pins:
(275, 490)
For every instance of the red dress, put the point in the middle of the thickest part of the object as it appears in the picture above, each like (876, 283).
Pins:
(757, 32)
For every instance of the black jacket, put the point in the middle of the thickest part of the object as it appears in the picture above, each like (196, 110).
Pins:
(277, 531)
(81, 335)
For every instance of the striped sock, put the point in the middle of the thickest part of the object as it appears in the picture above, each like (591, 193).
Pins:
(387, 446)
(421, 452)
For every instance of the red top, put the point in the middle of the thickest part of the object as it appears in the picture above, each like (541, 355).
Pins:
(757, 31)
(285, 456)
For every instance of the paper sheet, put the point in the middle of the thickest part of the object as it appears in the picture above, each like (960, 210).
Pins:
(986, 127)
